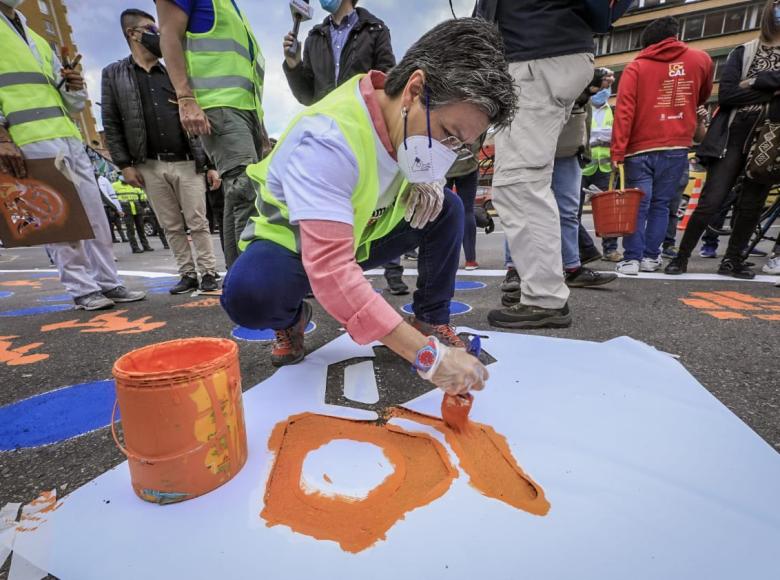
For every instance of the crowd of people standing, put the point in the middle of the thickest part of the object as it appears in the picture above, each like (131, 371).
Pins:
(382, 162)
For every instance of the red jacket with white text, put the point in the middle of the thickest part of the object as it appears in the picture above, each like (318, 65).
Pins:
(657, 99)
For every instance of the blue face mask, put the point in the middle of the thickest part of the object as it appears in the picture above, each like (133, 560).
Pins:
(331, 6)
(600, 99)
(777, 14)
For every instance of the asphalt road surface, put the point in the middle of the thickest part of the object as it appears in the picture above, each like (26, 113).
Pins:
(725, 332)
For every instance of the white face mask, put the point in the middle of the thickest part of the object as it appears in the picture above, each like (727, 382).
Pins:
(12, 3)
(423, 159)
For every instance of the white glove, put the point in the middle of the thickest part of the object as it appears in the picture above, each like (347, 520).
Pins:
(424, 202)
(455, 371)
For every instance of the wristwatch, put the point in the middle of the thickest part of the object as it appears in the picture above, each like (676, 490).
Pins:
(427, 355)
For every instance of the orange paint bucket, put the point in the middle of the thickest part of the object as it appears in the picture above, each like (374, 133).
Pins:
(182, 417)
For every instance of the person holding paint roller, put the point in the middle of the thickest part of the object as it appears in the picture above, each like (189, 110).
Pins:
(349, 41)
(355, 181)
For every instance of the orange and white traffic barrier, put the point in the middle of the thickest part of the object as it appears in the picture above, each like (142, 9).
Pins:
(693, 203)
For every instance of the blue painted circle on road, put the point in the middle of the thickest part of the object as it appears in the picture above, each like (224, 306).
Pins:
(55, 298)
(5, 293)
(469, 285)
(56, 416)
(266, 335)
(36, 310)
(455, 308)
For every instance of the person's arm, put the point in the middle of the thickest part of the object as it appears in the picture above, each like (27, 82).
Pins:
(299, 73)
(328, 253)
(73, 91)
(173, 30)
(624, 114)
(112, 123)
(730, 93)
(384, 59)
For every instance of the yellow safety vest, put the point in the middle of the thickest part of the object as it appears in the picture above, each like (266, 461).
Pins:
(345, 107)
(128, 194)
(600, 157)
(29, 97)
(225, 65)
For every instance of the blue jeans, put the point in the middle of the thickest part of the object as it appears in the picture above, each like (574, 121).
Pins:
(566, 181)
(466, 186)
(266, 286)
(658, 175)
(670, 239)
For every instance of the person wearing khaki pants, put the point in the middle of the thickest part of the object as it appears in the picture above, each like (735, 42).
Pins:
(177, 193)
(549, 47)
(155, 153)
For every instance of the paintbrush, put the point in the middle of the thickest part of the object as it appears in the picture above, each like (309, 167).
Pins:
(455, 409)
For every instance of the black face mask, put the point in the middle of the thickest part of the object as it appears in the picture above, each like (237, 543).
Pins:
(151, 42)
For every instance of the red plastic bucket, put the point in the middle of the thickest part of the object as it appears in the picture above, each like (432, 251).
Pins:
(615, 212)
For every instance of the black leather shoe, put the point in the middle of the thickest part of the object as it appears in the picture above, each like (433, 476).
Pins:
(735, 269)
(208, 283)
(677, 266)
(187, 283)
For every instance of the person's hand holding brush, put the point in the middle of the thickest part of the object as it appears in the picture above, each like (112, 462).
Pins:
(71, 78)
(454, 370)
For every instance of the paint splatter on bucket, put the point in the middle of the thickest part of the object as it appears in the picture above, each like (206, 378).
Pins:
(182, 416)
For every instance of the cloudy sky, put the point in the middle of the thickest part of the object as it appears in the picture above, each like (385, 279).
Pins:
(99, 38)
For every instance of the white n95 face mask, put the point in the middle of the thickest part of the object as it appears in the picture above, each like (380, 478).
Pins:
(423, 159)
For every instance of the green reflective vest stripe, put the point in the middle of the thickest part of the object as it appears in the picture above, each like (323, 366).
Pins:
(600, 157)
(29, 98)
(346, 108)
(223, 70)
(128, 194)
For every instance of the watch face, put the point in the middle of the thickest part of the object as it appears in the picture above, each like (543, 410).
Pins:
(426, 357)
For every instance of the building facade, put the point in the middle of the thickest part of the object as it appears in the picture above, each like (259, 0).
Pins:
(715, 26)
(49, 18)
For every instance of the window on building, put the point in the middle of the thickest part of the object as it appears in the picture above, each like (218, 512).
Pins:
(49, 27)
(692, 27)
(713, 24)
(43, 5)
(620, 41)
(735, 20)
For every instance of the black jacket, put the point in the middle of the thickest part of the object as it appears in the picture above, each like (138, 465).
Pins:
(123, 118)
(534, 29)
(730, 97)
(368, 48)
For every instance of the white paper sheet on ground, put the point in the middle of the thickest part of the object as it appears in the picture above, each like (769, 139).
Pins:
(647, 474)
(360, 383)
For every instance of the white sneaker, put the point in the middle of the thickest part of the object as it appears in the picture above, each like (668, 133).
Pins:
(772, 266)
(628, 267)
(651, 264)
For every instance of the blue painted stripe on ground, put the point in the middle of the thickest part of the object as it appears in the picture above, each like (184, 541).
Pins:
(55, 298)
(37, 310)
(5, 294)
(455, 308)
(267, 335)
(56, 416)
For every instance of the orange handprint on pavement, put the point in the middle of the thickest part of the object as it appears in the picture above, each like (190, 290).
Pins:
(734, 305)
(422, 473)
(109, 322)
(18, 356)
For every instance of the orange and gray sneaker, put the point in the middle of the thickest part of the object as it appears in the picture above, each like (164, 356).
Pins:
(288, 346)
(444, 332)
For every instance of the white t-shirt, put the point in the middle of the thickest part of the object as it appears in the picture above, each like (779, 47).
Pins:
(315, 173)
